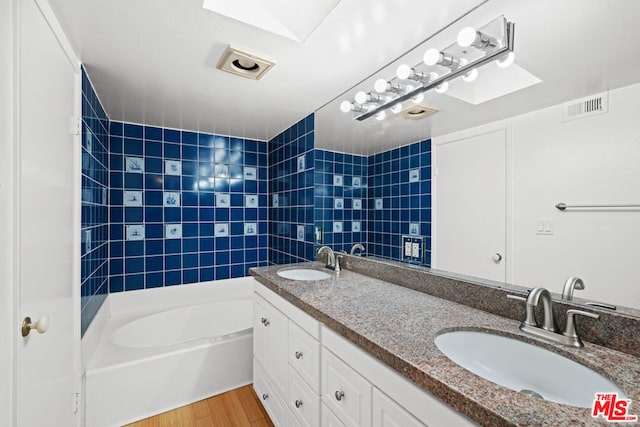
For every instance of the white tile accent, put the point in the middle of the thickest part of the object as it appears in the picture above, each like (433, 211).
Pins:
(134, 164)
(250, 174)
(356, 227)
(379, 204)
(173, 231)
(275, 200)
(356, 182)
(132, 198)
(357, 204)
(221, 230)
(135, 232)
(338, 203)
(171, 199)
(173, 167)
(414, 229)
(414, 175)
(87, 241)
(302, 163)
(338, 180)
(300, 233)
(337, 226)
(250, 229)
(223, 200)
(251, 201)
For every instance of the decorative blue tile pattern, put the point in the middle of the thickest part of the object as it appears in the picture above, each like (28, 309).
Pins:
(203, 211)
(291, 171)
(340, 188)
(95, 213)
(400, 199)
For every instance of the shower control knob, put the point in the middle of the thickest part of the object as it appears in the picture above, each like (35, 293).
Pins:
(339, 394)
(265, 396)
(298, 403)
(496, 257)
(298, 355)
(41, 325)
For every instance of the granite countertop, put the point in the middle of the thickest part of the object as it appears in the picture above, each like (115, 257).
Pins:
(398, 325)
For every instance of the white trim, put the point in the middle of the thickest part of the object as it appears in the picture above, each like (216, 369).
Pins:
(56, 28)
(77, 221)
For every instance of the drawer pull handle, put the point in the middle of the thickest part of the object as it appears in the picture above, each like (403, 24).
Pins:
(298, 403)
(339, 395)
(298, 355)
(265, 321)
(265, 396)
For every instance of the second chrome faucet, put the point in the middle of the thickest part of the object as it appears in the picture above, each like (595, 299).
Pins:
(548, 329)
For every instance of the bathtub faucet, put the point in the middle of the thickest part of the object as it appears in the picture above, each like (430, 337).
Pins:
(332, 259)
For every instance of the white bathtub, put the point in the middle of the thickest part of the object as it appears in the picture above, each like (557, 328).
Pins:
(161, 349)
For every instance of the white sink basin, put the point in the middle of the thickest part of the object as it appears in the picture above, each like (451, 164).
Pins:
(526, 368)
(303, 274)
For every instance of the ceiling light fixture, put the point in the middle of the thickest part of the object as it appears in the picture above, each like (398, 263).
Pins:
(492, 42)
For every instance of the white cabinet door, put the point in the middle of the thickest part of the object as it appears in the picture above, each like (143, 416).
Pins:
(303, 402)
(470, 206)
(329, 419)
(46, 238)
(304, 356)
(387, 413)
(273, 403)
(271, 332)
(345, 392)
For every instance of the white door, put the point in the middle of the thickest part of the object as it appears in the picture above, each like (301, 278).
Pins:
(470, 206)
(47, 219)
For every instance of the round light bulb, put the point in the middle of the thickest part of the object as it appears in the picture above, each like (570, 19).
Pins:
(380, 86)
(396, 108)
(418, 98)
(381, 115)
(403, 72)
(431, 56)
(504, 62)
(466, 36)
(443, 87)
(345, 106)
(471, 75)
(361, 97)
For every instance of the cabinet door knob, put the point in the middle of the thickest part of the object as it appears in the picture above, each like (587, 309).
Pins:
(265, 321)
(339, 394)
(41, 325)
(496, 257)
(265, 396)
(298, 403)
(298, 355)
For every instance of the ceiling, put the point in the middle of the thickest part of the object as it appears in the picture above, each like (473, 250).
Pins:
(154, 61)
(576, 47)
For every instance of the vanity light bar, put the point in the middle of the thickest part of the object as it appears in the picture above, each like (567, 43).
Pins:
(457, 68)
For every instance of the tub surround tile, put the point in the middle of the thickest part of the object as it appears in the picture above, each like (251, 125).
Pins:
(383, 318)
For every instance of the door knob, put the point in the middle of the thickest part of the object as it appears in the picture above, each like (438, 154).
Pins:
(496, 257)
(41, 325)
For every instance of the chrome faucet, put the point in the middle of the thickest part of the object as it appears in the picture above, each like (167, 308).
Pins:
(548, 331)
(570, 285)
(332, 259)
(355, 247)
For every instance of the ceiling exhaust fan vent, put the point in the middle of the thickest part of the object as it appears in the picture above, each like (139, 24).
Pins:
(417, 112)
(244, 64)
(585, 107)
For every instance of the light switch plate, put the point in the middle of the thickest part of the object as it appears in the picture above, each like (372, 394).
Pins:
(545, 227)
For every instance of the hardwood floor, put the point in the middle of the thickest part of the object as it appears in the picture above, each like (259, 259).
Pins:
(235, 408)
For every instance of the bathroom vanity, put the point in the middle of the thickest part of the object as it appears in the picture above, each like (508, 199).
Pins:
(354, 350)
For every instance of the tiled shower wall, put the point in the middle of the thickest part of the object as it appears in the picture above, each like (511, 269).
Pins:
(185, 207)
(340, 199)
(399, 199)
(291, 182)
(95, 216)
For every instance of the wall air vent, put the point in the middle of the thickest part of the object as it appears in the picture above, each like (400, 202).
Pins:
(417, 112)
(585, 107)
(244, 64)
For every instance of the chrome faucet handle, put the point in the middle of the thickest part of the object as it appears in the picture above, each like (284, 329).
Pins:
(517, 298)
(570, 329)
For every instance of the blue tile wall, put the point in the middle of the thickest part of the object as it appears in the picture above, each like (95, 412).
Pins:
(95, 215)
(185, 207)
(291, 193)
(399, 190)
(340, 199)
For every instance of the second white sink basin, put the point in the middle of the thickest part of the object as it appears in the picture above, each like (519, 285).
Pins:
(526, 368)
(303, 274)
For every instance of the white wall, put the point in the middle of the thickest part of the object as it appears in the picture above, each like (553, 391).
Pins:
(7, 329)
(590, 160)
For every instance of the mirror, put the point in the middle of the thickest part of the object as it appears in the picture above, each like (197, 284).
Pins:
(564, 116)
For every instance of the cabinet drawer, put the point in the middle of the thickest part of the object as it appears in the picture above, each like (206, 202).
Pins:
(304, 356)
(329, 419)
(269, 397)
(303, 402)
(387, 413)
(345, 392)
